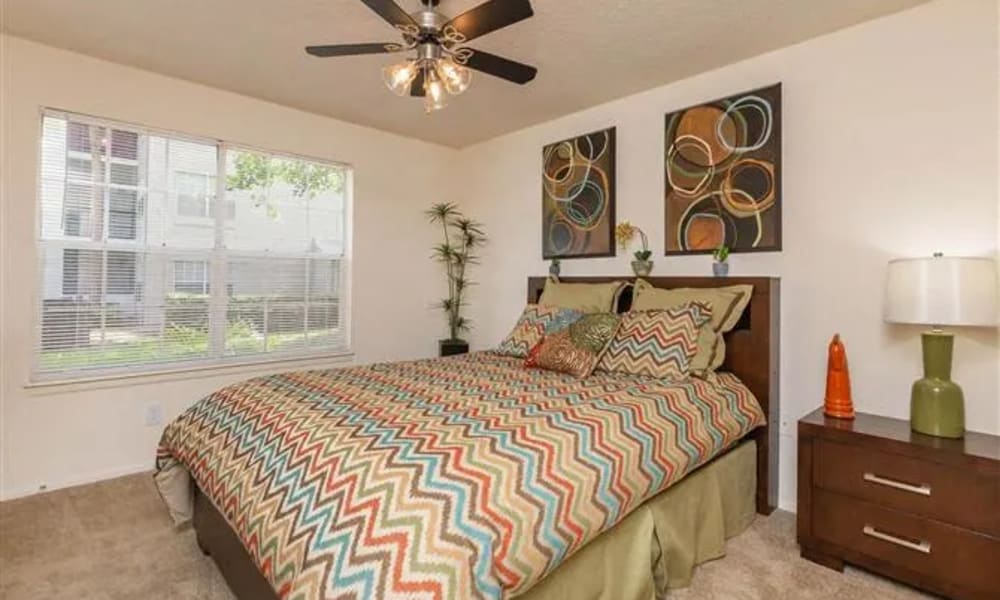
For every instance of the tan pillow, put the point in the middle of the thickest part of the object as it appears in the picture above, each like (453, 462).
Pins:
(727, 304)
(584, 297)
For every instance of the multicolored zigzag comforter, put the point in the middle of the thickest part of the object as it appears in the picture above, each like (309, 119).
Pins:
(467, 477)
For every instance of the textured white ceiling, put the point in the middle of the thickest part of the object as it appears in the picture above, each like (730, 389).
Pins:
(587, 51)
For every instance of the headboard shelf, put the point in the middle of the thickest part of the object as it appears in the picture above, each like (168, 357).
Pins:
(752, 351)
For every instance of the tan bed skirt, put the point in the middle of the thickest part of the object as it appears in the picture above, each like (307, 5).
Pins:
(658, 546)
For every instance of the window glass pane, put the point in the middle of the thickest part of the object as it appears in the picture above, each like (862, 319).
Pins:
(72, 193)
(196, 195)
(182, 178)
(121, 274)
(266, 304)
(191, 277)
(124, 214)
(84, 170)
(125, 174)
(137, 322)
(285, 204)
(125, 144)
(78, 137)
(279, 304)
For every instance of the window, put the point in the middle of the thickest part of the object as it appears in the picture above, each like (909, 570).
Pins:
(196, 196)
(190, 277)
(148, 263)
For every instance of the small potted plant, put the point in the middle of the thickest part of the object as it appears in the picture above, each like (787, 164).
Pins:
(554, 267)
(625, 233)
(462, 238)
(720, 267)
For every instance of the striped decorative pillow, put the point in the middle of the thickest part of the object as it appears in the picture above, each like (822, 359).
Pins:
(535, 322)
(656, 343)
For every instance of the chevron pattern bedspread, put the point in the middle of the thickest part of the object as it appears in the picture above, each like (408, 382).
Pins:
(465, 477)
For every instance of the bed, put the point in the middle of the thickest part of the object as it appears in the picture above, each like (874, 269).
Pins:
(472, 477)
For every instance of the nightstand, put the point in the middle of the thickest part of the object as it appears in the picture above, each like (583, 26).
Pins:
(916, 508)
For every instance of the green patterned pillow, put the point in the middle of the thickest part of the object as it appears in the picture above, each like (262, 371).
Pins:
(535, 322)
(656, 343)
(577, 348)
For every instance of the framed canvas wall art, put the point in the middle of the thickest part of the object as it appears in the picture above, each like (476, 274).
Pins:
(723, 174)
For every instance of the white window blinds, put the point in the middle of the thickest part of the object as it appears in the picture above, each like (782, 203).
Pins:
(158, 251)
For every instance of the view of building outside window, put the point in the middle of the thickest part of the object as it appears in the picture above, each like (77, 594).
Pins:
(144, 263)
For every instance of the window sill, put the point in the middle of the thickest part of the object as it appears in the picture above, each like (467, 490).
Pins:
(186, 373)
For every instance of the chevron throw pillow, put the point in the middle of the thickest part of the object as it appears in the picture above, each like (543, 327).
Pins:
(536, 321)
(577, 348)
(656, 343)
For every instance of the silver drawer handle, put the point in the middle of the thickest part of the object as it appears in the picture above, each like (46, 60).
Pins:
(921, 546)
(923, 490)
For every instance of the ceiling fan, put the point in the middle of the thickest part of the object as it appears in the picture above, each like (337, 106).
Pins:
(442, 62)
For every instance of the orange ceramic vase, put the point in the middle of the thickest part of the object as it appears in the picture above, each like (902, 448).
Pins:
(838, 383)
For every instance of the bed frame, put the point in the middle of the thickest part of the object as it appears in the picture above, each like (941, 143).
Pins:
(751, 354)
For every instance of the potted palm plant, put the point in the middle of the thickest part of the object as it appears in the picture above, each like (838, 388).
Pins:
(462, 238)
(625, 232)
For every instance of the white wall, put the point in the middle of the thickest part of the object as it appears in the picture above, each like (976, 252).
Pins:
(888, 151)
(61, 436)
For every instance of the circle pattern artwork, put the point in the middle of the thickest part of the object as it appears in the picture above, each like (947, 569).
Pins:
(722, 174)
(577, 196)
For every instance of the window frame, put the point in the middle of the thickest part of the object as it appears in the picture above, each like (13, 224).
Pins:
(215, 258)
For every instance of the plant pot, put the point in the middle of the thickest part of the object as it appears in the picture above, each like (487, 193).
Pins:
(642, 268)
(452, 347)
(720, 269)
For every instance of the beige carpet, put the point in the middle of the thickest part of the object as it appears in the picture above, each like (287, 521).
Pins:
(113, 540)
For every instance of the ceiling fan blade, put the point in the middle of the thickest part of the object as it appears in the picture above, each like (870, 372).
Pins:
(490, 16)
(499, 66)
(354, 49)
(391, 12)
(417, 87)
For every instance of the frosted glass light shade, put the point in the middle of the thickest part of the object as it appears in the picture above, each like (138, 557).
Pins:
(435, 96)
(456, 78)
(399, 77)
(942, 290)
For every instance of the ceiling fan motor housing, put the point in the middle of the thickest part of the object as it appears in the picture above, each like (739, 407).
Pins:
(428, 51)
(429, 21)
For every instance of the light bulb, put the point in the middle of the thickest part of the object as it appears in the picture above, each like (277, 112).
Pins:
(435, 95)
(456, 77)
(399, 77)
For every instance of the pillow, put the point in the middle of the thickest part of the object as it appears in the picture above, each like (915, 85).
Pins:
(656, 343)
(584, 297)
(534, 323)
(577, 348)
(727, 304)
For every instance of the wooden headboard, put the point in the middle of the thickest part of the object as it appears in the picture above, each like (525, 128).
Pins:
(751, 354)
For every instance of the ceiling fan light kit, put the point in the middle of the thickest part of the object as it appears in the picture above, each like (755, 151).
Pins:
(442, 66)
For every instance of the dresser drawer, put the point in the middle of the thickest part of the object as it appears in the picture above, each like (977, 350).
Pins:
(966, 558)
(956, 496)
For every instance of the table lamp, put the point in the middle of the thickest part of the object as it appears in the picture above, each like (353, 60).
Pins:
(940, 291)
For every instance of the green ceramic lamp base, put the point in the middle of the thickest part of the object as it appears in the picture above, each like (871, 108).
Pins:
(937, 406)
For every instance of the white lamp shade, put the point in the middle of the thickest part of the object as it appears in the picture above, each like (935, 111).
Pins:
(942, 290)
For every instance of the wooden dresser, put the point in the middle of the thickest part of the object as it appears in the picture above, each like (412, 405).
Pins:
(920, 509)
